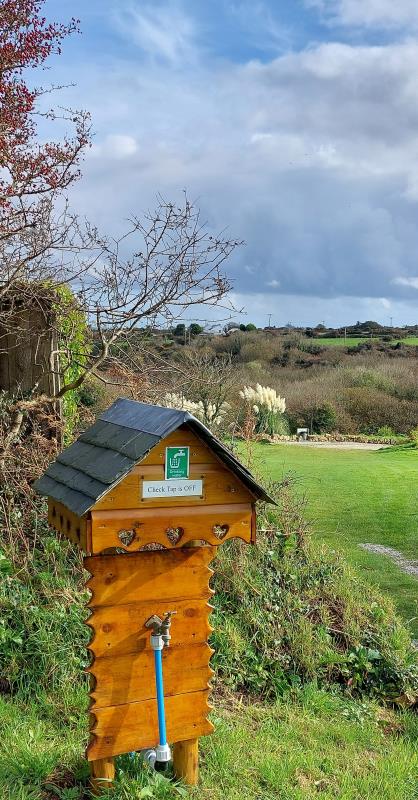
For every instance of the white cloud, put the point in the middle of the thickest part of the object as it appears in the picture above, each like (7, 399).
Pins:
(311, 310)
(162, 32)
(311, 158)
(115, 146)
(386, 14)
(274, 283)
(411, 282)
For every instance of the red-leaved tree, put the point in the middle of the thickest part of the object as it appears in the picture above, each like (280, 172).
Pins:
(165, 262)
(32, 172)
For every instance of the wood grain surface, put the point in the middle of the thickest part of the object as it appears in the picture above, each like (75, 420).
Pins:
(66, 522)
(159, 575)
(119, 630)
(130, 678)
(220, 487)
(152, 525)
(134, 726)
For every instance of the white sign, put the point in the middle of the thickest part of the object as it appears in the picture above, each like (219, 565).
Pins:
(178, 487)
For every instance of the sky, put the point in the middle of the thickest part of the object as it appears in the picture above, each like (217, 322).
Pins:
(293, 124)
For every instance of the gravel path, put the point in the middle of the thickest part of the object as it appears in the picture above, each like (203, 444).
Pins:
(405, 564)
(338, 445)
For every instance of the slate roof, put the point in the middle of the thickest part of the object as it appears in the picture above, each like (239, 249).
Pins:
(120, 438)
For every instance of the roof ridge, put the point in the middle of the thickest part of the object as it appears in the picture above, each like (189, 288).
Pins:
(110, 461)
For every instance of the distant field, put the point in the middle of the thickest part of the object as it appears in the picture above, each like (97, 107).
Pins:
(353, 341)
(410, 340)
(359, 496)
(348, 342)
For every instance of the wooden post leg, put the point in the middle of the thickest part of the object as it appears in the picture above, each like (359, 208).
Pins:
(186, 761)
(102, 774)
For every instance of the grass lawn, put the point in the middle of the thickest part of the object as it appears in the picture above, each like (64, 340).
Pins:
(352, 341)
(315, 746)
(359, 496)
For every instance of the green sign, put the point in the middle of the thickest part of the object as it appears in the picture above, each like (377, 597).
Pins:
(177, 462)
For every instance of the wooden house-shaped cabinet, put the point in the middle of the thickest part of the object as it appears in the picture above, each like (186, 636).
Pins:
(149, 494)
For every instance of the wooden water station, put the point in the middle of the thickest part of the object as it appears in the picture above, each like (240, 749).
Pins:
(149, 494)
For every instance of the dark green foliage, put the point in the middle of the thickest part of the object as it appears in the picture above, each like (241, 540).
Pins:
(320, 418)
(73, 342)
(90, 393)
(195, 329)
(311, 348)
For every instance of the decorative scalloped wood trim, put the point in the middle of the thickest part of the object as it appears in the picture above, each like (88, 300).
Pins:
(212, 524)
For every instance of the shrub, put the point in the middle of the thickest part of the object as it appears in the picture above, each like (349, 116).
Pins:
(268, 408)
(320, 418)
(90, 393)
(288, 612)
(386, 432)
(210, 414)
(414, 436)
(372, 409)
(312, 349)
(42, 633)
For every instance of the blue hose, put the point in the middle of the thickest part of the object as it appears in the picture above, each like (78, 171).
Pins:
(160, 696)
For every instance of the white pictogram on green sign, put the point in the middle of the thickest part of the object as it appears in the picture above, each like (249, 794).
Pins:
(177, 462)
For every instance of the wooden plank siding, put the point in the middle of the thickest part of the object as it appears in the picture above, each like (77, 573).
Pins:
(28, 354)
(133, 529)
(126, 591)
(220, 485)
(119, 630)
(134, 726)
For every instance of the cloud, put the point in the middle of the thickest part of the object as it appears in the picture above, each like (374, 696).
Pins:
(162, 31)
(312, 310)
(114, 145)
(311, 158)
(410, 282)
(383, 14)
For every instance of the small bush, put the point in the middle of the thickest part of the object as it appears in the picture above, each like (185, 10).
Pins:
(414, 436)
(90, 393)
(386, 432)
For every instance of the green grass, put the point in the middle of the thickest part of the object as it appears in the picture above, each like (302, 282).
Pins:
(359, 496)
(350, 341)
(353, 341)
(316, 745)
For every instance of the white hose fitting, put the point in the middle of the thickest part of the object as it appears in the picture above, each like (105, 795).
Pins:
(163, 753)
(157, 642)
